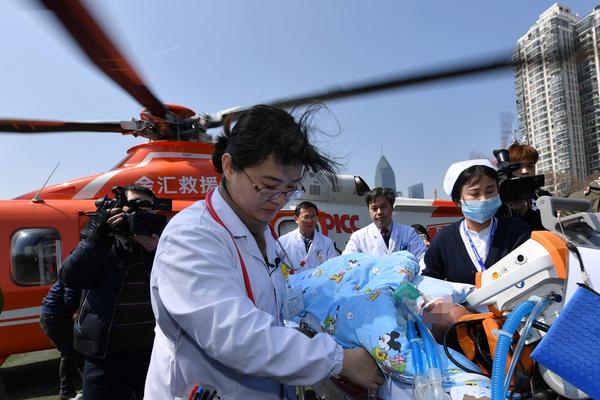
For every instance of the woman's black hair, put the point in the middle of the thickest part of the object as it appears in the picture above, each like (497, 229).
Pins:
(421, 230)
(474, 171)
(265, 131)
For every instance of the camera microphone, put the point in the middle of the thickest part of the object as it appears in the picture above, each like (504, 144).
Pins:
(502, 155)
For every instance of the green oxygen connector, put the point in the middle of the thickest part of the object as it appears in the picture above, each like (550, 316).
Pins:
(406, 291)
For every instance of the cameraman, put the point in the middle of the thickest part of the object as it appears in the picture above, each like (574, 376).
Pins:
(115, 327)
(526, 157)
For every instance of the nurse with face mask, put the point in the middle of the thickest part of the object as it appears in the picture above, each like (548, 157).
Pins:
(481, 239)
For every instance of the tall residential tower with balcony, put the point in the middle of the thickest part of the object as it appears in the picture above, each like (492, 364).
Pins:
(549, 105)
(587, 45)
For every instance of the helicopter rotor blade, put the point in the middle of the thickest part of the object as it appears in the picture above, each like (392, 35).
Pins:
(474, 67)
(102, 52)
(41, 126)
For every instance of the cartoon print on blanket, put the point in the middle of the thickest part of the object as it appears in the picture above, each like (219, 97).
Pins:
(352, 298)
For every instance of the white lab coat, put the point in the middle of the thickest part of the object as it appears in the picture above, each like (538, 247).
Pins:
(208, 331)
(295, 255)
(369, 240)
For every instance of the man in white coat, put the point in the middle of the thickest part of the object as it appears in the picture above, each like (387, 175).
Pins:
(384, 236)
(305, 247)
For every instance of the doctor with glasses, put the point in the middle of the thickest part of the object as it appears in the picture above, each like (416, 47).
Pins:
(305, 247)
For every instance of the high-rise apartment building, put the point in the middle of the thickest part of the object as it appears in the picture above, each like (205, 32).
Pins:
(384, 174)
(556, 62)
(416, 191)
(587, 45)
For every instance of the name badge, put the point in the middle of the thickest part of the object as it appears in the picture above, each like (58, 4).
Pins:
(293, 303)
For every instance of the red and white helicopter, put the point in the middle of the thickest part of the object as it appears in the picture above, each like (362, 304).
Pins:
(39, 229)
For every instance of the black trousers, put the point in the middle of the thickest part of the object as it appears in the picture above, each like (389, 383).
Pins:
(119, 376)
(60, 331)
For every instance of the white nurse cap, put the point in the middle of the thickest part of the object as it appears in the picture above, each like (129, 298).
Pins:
(457, 168)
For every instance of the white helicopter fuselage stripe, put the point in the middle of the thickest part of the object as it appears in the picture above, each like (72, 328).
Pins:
(20, 322)
(20, 316)
(90, 190)
(20, 313)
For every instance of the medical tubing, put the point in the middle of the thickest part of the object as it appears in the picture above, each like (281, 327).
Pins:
(432, 350)
(447, 349)
(415, 346)
(537, 310)
(487, 358)
(434, 389)
(420, 383)
(503, 344)
(429, 350)
(420, 387)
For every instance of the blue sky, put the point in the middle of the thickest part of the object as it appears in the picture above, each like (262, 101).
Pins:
(213, 55)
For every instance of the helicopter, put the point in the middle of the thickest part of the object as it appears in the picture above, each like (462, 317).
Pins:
(40, 228)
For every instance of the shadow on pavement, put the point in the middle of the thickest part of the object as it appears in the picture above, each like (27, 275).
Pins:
(37, 380)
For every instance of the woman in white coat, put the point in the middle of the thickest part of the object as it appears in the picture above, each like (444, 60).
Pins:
(305, 247)
(216, 289)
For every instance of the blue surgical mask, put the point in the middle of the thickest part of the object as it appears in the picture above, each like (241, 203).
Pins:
(480, 210)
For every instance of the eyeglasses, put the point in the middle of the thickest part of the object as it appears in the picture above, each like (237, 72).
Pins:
(272, 194)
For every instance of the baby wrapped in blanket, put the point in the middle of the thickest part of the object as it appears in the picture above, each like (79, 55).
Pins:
(352, 298)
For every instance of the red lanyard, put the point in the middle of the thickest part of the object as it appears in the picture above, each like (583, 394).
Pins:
(213, 214)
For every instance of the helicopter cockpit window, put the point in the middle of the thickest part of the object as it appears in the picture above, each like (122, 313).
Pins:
(35, 256)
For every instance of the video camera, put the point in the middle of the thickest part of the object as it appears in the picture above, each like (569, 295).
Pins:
(513, 188)
(136, 221)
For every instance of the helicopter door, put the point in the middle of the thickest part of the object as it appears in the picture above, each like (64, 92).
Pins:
(35, 256)
(284, 222)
